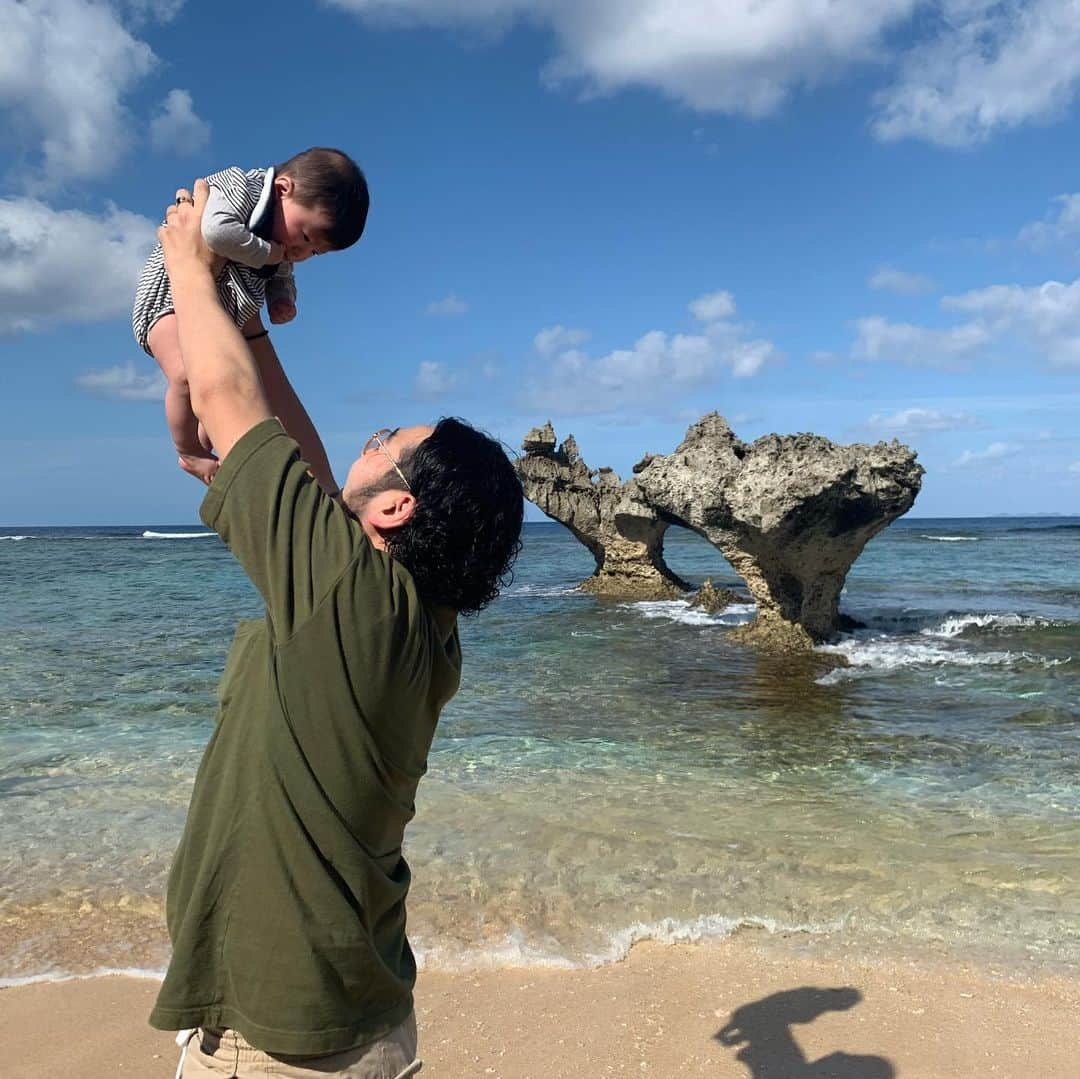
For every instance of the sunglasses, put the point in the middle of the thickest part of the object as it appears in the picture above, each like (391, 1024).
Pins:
(379, 440)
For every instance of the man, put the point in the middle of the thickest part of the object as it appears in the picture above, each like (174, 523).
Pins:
(286, 900)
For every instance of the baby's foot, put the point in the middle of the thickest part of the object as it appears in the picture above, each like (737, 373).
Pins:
(202, 466)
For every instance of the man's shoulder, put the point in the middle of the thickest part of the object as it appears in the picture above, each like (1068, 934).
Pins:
(265, 446)
(382, 595)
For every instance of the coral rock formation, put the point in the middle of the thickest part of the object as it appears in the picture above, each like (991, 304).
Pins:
(625, 538)
(713, 600)
(790, 513)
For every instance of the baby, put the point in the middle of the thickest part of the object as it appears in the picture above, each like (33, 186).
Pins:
(261, 221)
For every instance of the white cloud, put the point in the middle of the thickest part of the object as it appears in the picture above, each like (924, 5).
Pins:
(1043, 320)
(996, 451)
(1074, 467)
(996, 64)
(657, 370)
(66, 265)
(159, 10)
(734, 56)
(878, 339)
(65, 67)
(449, 305)
(124, 383)
(434, 380)
(745, 357)
(888, 279)
(918, 421)
(712, 307)
(558, 339)
(958, 70)
(176, 129)
(1046, 316)
(1060, 227)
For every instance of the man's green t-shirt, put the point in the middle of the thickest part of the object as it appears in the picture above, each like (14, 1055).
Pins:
(286, 899)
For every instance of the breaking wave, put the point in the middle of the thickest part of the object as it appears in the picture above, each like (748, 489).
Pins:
(176, 535)
(533, 591)
(103, 972)
(950, 624)
(883, 654)
(515, 950)
(957, 625)
(679, 610)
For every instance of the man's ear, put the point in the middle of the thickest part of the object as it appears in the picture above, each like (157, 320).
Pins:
(393, 509)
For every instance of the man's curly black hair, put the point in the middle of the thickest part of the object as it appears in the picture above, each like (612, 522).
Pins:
(462, 539)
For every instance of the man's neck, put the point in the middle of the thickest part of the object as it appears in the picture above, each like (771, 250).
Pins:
(378, 541)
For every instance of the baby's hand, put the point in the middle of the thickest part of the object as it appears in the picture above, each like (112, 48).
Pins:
(282, 311)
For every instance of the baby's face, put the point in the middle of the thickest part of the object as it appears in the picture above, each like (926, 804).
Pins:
(301, 230)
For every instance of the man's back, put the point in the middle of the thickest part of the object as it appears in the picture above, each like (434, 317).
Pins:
(286, 900)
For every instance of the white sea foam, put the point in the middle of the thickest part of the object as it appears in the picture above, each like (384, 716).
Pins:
(679, 610)
(948, 625)
(534, 590)
(176, 535)
(15, 539)
(514, 950)
(102, 972)
(705, 927)
(956, 625)
(867, 656)
(952, 539)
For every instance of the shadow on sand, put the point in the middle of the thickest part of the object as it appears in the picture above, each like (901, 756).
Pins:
(769, 1050)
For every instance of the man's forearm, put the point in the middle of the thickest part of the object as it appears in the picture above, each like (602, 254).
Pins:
(214, 350)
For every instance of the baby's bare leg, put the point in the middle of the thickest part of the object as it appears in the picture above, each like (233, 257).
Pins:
(164, 341)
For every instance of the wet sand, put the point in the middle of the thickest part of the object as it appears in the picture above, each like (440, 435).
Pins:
(745, 1007)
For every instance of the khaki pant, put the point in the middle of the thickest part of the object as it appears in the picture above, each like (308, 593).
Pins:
(216, 1054)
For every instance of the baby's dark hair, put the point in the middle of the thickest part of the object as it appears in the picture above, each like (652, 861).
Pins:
(329, 180)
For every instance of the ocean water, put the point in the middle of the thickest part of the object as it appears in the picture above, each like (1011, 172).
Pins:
(610, 771)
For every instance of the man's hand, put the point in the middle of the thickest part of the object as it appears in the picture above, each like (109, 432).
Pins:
(282, 311)
(181, 236)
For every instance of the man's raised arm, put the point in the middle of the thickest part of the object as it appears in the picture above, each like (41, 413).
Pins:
(226, 392)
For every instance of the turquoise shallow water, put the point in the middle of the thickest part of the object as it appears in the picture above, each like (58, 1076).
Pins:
(609, 772)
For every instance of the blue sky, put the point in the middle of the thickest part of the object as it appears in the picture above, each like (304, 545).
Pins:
(860, 219)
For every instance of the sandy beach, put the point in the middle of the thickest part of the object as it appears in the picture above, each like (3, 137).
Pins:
(763, 1009)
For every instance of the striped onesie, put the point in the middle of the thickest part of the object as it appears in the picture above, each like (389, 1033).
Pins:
(239, 203)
